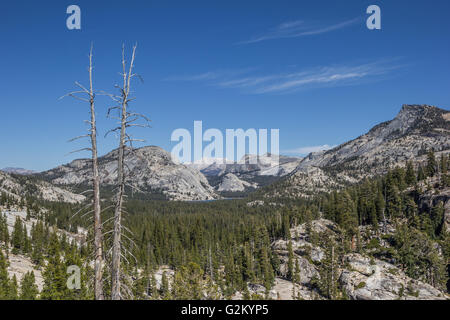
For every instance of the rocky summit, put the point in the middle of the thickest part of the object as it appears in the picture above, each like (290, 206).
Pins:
(151, 170)
(20, 171)
(247, 174)
(232, 183)
(415, 129)
(19, 187)
(148, 169)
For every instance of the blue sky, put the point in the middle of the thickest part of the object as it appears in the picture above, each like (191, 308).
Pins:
(310, 68)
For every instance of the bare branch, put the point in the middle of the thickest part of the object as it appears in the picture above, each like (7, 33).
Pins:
(83, 88)
(69, 94)
(79, 150)
(79, 137)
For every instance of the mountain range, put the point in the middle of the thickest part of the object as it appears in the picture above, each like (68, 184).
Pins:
(415, 130)
(151, 170)
(20, 171)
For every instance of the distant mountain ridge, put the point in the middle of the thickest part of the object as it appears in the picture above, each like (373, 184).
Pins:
(21, 186)
(150, 169)
(20, 171)
(249, 173)
(415, 130)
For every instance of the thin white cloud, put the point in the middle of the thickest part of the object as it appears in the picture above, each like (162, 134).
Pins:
(282, 83)
(308, 150)
(197, 77)
(320, 77)
(245, 82)
(210, 75)
(299, 28)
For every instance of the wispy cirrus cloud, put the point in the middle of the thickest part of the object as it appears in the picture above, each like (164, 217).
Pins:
(249, 81)
(308, 150)
(210, 75)
(300, 28)
(197, 77)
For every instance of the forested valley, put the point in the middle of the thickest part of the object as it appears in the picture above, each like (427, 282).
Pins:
(216, 249)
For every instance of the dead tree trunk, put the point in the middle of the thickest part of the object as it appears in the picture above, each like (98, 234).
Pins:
(98, 236)
(98, 268)
(117, 232)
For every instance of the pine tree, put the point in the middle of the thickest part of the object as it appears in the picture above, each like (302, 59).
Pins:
(4, 234)
(140, 286)
(13, 292)
(38, 239)
(29, 290)
(445, 179)
(410, 177)
(347, 217)
(4, 280)
(393, 198)
(152, 289)
(420, 174)
(72, 257)
(437, 219)
(164, 290)
(431, 167)
(17, 236)
(188, 282)
(248, 264)
(267, 271)
(54, 274)
(380, 205)
(418, 255)
(411, 208)
(290, 270)
(328, 269)
(296, 279)
(286, 227)
(26, 245)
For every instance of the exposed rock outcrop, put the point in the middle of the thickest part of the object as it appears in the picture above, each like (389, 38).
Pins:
(20, 171)
(19, 265)
(252, 171)
(428, 201)
(231, 183)
(361, 278)
(249, 166)
(150, 169)
(415, 130)
(372, 279)
(20, 187)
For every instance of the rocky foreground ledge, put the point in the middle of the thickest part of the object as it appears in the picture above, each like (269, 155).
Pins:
(361, 278)
(378, 280)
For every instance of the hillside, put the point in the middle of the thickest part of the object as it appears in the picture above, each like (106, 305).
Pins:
(249, 173)
(148, 169)
(19, 187)
(415, 129)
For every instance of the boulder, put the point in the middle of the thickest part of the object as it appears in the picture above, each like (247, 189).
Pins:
(372, 279)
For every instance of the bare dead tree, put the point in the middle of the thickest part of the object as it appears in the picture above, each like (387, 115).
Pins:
(98, 246)
(126, 119)
(98, 269)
